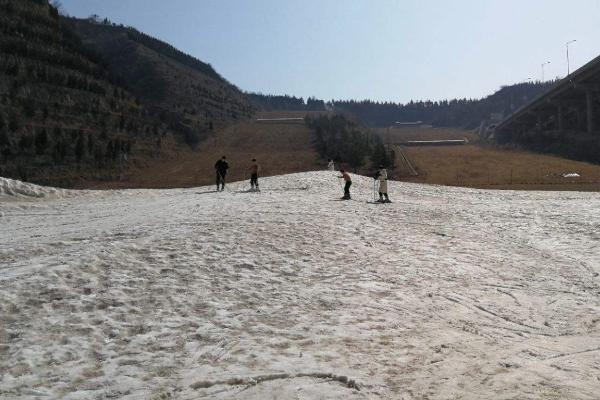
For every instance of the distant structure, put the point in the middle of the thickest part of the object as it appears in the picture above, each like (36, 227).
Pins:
(443, 142)
(293, 120)
(410, 124)
(407, 124)
(569, 107)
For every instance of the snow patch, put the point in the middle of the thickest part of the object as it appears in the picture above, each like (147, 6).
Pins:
(16, 188)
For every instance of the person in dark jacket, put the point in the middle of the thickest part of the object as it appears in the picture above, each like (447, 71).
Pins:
(254, 168)
(221, 167)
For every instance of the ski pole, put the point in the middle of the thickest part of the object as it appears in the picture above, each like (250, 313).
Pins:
(222, 181)
(373, 189)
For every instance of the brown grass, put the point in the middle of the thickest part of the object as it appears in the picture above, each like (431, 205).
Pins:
(286, 147)
(478, 165)
(396, 135)
(279, 148)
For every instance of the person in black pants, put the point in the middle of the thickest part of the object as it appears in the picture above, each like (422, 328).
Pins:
(348, 180)
(221, 167)
(254, 168)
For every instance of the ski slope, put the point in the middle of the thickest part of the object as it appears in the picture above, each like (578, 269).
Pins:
(292, 294)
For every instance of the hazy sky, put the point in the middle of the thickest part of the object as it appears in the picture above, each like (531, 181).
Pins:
(394, 50)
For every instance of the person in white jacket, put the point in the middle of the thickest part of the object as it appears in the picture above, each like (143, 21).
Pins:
(331, 166)
(382, 177)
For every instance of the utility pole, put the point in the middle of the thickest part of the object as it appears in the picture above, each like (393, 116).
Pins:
(568, 66)
(543, 64)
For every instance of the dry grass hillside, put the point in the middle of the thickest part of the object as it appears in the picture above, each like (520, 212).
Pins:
(479, 165)
(286, 146)
(280, 148)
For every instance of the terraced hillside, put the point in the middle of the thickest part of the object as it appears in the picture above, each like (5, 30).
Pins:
(64, 118)
(85, 101)
(189, 92)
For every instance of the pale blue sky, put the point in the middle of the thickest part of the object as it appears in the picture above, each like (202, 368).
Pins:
(394, 50)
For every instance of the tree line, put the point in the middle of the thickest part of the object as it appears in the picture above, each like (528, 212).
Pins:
(459, 113)
(345, 142)
(268, 102)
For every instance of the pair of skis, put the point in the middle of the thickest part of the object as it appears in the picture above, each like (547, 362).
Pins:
(368, 201)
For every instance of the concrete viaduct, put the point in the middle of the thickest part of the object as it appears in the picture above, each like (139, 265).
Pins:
(571, 106)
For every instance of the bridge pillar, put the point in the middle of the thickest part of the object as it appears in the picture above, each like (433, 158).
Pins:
(589, 99)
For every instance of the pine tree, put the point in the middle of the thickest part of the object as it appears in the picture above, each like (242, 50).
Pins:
(4, 139)
(380, 155)
(109, 153)
(79, 148)
(41, 142)
(90, 144)
(25, 143)
(14, 123)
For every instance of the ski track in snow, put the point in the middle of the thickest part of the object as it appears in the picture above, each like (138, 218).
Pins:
(288, 294)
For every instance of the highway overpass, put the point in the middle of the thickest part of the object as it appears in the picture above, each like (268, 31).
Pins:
(570, 107)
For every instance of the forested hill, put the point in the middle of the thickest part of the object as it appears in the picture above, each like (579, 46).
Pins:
(63, 115)
(463, 113)
(86, 99)
(188, 90)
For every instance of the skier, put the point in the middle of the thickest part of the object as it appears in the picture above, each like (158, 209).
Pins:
(348, 180)
(254, 168)
(221, 167)
(331, 166)
(381, 176)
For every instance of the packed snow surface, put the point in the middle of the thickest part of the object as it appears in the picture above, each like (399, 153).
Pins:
(292, 294)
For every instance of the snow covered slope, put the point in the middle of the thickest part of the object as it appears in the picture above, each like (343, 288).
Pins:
(292, 294)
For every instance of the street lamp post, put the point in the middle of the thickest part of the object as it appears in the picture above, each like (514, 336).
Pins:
(568, 66)
(543, 64)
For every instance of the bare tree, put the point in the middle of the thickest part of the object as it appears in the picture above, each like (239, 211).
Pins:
(59, 7)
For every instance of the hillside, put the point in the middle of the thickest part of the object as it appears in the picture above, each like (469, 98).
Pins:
(83, 101)
(189, 92)
(188, 293)
(478, 164)
(64, 118)
(279, 147)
